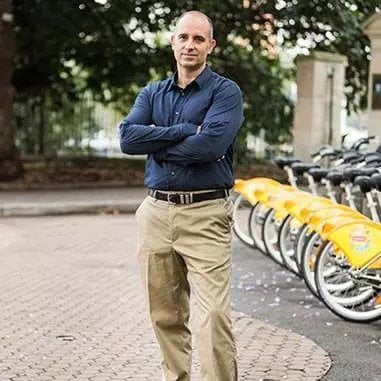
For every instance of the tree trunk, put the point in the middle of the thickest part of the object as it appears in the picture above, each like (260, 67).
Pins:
(41, 128)
(10, 165)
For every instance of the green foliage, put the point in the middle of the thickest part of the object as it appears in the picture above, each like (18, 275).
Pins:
(113, 47)
(332, 26)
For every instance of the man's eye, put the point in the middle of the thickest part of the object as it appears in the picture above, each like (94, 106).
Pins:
(182, 37)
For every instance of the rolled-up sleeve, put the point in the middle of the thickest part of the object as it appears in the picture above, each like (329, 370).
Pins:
(218, 130)
(139, 136)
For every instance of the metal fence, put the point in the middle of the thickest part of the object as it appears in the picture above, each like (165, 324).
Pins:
(82, 128)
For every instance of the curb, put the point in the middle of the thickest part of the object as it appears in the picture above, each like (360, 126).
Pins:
(68, 186)
(68, 207)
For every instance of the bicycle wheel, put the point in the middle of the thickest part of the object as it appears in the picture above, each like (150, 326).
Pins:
(270, 229)
(308, 261)
(256, 218)
(241, 214)
(299, 246)
(286, 239)
(359, 301)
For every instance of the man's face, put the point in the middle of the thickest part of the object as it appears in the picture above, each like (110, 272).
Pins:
(191, 42)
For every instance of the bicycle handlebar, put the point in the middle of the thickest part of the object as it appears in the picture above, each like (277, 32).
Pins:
(356, 145)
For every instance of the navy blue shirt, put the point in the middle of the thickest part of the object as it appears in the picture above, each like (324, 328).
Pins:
(163, 124)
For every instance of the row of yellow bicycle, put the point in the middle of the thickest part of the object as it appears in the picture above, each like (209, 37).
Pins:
(333, 247)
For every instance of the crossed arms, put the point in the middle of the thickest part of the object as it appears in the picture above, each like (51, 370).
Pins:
(181, 143)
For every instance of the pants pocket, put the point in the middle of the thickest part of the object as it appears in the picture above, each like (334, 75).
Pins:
(138, 211)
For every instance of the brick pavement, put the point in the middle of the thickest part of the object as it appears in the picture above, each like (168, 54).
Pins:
(72, 309)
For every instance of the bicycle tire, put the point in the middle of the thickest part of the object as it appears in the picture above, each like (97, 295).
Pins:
(287, 254)
(238, 231)
(335, 304)
(270, 239)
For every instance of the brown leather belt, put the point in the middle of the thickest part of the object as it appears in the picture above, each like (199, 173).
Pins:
(188, 198)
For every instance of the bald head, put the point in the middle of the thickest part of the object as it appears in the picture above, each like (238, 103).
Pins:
(197, 15)
(192, 41)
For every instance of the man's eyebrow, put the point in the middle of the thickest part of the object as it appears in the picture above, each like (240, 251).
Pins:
(196, 36)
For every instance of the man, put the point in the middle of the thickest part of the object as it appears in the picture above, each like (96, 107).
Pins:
(187, 124)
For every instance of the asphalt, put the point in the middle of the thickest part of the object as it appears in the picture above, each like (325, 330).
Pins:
(268, 292)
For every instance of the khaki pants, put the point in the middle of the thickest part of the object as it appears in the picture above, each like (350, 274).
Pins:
(183, 248)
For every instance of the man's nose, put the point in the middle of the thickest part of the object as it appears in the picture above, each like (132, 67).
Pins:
(189, 44)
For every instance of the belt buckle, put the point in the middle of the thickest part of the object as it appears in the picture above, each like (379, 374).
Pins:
(179, 198)
(169, 196)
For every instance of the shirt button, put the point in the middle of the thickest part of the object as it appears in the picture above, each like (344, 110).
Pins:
(172, 173)
(177, 113)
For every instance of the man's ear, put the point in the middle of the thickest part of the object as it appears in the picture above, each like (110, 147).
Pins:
(172, 40)
(212, 45)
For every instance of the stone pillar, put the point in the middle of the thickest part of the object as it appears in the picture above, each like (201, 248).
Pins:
(372, 28)
(320, 88)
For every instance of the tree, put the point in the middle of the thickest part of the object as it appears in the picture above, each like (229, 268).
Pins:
(111, 47)
(333, 26)
(102, 46)
(10, 166)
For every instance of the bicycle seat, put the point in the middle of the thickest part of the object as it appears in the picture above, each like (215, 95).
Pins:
(351, 173)
(365, 183)
(376, 180)
(326, 151)
(282, 162)
(368, 171)
(300, 168)
(375, 164)
(358, 160)
(335, 178)
(329, 151)
(374, 157)
(318, 173)
(351, 156)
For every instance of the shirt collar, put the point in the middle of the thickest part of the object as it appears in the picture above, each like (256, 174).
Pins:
(200, 81)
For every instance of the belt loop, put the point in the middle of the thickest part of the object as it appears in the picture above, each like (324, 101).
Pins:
(226, 193)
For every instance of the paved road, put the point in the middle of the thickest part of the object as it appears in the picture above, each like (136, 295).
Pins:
(77, 276)
(36, 251)
(266, 291)
(72, 309)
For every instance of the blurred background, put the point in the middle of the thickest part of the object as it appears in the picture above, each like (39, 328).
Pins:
(70, 71)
